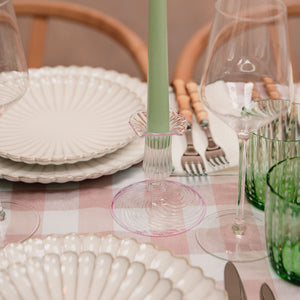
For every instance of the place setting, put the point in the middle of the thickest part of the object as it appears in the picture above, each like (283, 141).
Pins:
(220, 158)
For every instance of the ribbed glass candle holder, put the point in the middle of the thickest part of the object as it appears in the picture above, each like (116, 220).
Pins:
(156, 206)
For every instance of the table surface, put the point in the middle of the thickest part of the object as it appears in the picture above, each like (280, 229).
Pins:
(84, 207)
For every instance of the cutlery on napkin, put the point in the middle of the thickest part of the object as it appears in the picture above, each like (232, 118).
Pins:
(223, 135)
(233, 283)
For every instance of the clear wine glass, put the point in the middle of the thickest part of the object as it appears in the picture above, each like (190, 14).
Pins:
(17, 221)
(247, 82)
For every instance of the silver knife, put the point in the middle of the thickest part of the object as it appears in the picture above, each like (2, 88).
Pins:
(233, 283)
(266, 293)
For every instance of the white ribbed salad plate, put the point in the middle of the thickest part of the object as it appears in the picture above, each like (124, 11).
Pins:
(86, 266)
(66, 117)
(108, 164)
(111, 163)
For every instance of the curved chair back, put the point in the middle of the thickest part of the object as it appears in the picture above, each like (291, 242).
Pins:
(197, 44)
(42, 11)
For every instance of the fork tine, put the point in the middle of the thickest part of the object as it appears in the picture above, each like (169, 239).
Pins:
(186, 167)
(190, 169)
(218, 160)
(183, 165)
(224, 159)
(197, 169)
(211, 162)
(193, 168)
(203, 169)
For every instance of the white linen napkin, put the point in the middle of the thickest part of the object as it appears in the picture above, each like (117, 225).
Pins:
(223, 136)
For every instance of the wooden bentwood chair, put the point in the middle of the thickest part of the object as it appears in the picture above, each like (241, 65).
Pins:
(42, 11)
(197, 44)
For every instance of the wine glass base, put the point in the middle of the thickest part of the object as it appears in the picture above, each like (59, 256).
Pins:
(19, 223)
(161, 208)
(216, 236)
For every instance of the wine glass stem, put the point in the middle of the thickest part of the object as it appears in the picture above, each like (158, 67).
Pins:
(239, 226)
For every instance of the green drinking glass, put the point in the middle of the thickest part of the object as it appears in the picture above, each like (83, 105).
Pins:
(273, 143)
(282, 218)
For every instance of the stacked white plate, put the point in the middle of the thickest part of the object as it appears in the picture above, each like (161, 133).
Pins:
(71, 125)
(99, 267)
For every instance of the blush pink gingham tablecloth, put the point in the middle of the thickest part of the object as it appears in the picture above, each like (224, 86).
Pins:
(84, 207)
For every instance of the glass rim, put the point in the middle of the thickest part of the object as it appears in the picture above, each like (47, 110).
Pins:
(268, 179)
(283, 11)
(178, 124)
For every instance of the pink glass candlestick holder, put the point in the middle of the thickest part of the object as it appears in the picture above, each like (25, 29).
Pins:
(156, 206)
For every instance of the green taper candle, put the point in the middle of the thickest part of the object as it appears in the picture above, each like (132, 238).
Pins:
(158, 76)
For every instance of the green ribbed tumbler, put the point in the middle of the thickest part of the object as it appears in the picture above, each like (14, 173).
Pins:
(273, 143)
(282, 219)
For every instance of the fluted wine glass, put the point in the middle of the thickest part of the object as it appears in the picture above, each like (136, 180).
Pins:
(17, 221)
(247, 82)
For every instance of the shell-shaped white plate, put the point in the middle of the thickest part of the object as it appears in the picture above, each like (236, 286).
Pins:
(190, 281)
(66, 117)
(109, 164)
(121, 159)
(84, 276)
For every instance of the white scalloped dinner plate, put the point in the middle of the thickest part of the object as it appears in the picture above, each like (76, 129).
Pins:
(92, 265)
(108, 164)
(67, 115)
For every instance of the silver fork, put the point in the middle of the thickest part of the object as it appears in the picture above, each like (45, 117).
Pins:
(191, 161)
(214, 154)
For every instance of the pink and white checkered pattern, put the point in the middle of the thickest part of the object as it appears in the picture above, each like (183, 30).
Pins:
(85, 207)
